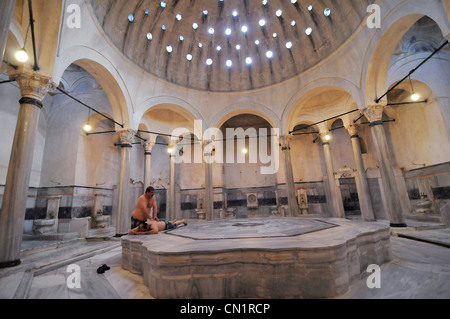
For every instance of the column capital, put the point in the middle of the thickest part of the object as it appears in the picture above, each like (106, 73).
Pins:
(285, 142)
(352, 130)
(126, 138)
(374, 113)
(148, 147)
(32, 85)
(208, 148)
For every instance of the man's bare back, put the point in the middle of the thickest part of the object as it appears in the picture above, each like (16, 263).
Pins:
(144, 206)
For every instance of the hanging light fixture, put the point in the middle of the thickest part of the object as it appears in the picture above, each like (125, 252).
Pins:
(22, 55)
(87, 127)
(414, 96)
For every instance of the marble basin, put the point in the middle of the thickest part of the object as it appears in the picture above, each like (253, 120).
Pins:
(257, 258)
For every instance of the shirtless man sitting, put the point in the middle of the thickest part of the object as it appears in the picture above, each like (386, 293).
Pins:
(143, 208)
(153, 227)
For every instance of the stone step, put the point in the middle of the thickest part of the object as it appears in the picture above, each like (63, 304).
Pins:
(425, 217)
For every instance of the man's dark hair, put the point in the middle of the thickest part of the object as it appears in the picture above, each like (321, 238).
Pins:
(149, 189)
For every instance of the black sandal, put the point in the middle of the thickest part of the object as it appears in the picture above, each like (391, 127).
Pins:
(102, 269)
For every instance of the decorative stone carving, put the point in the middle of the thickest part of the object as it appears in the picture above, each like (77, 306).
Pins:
(148, 147)
(303, 201)
(285, 142)
(353, 129)
(252, 200)
(32, 85)
(374, 113)
(126, 137)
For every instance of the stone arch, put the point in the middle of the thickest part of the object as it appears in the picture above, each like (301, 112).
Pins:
(385, 40)
(247, 108)
(334, 83)
(314, 104)
(94, 119)
(106, 75)
(177, 105)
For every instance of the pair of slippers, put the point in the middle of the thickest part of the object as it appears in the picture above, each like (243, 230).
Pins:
(102, 269)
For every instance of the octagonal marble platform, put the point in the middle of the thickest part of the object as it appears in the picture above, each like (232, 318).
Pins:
(257, 258)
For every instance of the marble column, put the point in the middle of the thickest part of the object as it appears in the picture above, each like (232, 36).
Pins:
(123, 223)
(444, 107)
(6, 12)
(292, 198)
(33, 88)
(209, 188)
(389, 189)
(336, 204)
(171, 200)
(148, 159)
(362, 183)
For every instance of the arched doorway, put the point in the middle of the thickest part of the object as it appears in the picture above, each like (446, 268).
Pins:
(247, 146)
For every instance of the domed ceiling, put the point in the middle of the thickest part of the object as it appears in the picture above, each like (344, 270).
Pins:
(228, 45)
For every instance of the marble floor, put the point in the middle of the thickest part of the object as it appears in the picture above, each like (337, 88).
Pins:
(420, 269)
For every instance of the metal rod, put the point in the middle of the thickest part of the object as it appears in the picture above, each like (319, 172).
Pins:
(140, 143)
(156, 133)
(407, 103)
(331, 118)
(7, 81)
(358, 118)
(98, 133)
(412, 71)
(385, 121)
(92, 109)
(35, 66)
(15, 67)
(141, 138)
(310, 133)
